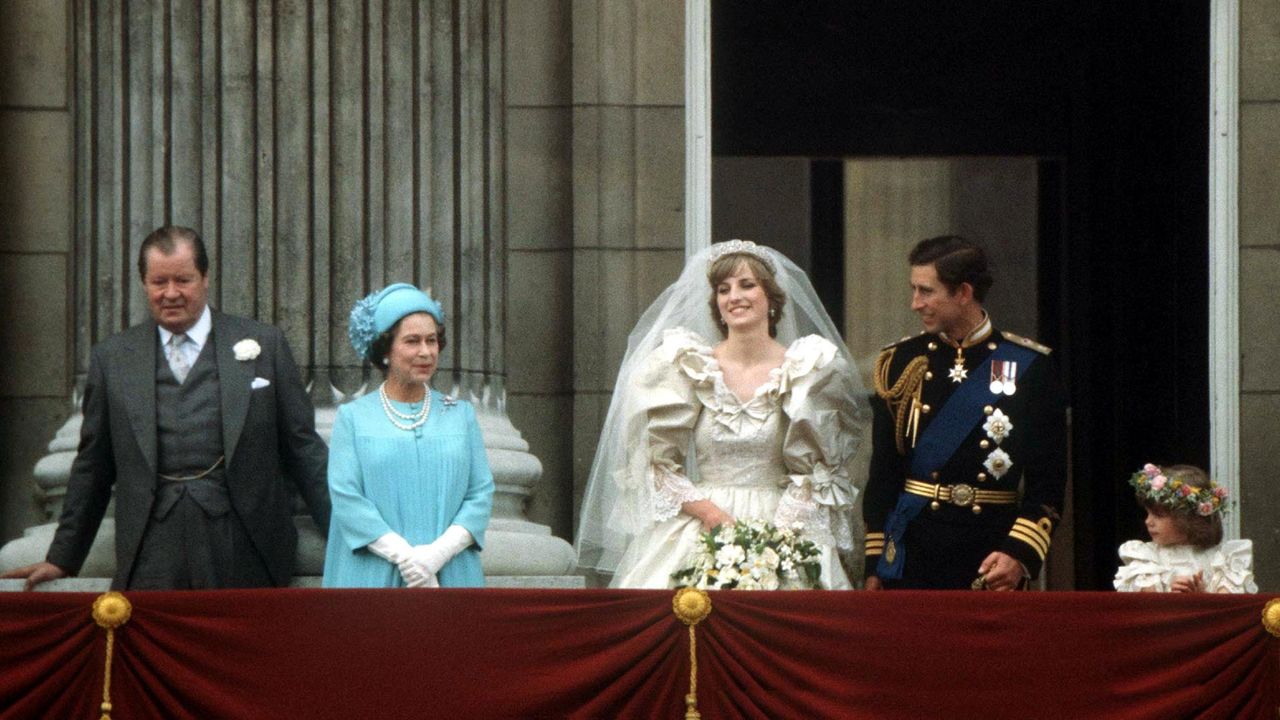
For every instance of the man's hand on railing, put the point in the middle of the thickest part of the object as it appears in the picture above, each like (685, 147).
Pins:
(35, 574)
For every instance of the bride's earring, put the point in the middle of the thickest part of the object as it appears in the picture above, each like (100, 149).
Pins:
(773, 312)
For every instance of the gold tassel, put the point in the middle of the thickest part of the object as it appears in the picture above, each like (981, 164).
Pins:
(110, 611)
(691, 606)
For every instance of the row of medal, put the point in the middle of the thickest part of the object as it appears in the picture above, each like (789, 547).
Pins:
(1004, 375)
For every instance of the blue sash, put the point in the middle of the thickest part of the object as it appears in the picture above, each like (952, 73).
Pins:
(936, 445)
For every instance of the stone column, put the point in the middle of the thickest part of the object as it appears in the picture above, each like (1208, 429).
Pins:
(323, 150)
(1259, 261)
(628, 189)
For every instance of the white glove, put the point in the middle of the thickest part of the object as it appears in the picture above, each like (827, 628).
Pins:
(435, 555)
(391, 547)
(415, 576)
(396, 550)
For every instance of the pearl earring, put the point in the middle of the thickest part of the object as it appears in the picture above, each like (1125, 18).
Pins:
(385, 361)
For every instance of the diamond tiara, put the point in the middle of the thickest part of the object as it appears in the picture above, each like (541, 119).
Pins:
(734, 246)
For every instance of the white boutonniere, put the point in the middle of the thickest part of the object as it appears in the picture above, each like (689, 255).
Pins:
(246, 349)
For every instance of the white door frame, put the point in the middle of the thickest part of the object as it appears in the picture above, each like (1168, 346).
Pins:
(1224, 252)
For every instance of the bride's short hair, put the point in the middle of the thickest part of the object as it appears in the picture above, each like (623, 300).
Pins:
(726, 265)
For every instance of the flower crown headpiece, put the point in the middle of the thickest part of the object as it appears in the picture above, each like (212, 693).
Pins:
(731, 247)
(1175, 493)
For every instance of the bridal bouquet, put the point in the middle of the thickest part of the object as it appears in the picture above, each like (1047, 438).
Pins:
(752, 555)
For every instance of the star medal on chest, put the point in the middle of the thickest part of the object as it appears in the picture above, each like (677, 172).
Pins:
(1004, 377)
(958, 374)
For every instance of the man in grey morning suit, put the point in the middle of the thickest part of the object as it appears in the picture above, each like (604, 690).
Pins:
(194, 418)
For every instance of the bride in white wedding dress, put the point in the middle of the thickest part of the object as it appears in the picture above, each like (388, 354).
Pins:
(760, 425)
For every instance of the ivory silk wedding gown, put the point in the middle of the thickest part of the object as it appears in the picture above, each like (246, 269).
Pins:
(778, 456)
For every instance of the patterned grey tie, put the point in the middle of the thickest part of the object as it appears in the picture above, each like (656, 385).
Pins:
(177, 358)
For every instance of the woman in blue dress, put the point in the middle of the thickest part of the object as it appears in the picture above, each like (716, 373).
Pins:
(410, 483)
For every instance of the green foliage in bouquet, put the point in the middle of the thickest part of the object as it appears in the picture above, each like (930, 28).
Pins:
(752, 555)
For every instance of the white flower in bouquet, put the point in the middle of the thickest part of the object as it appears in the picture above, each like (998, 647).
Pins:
(770, 558)
(730, 555)
(727, 575)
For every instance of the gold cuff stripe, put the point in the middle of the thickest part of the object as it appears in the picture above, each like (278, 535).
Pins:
(875, 549)
(1035, 543)
(1039, 537)
(1037, 550)
(1032, 528)
(1038, 543)
(875, 535)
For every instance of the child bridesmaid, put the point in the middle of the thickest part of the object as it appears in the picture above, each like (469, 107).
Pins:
(1186, 552)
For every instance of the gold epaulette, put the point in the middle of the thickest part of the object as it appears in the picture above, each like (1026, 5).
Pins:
(901, 340)
(1026, 342)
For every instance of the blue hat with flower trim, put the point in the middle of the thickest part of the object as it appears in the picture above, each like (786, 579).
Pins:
(376, 313)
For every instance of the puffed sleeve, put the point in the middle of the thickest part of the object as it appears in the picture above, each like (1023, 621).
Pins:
(667, 392)
(1140, 569)
(1231, 570)
(821, 437)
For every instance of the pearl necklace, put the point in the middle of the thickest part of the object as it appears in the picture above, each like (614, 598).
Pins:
(416, 419)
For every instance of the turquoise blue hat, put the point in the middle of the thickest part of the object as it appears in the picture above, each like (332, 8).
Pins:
(376, 313)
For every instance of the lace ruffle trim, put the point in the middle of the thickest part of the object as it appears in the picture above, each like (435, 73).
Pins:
(693, 357)
(670, 491)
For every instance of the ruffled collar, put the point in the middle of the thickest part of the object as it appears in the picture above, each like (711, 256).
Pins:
(694, 357)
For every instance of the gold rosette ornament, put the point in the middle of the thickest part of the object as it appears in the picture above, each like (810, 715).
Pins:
(111, 610)
(1271, 616)
(692, 606)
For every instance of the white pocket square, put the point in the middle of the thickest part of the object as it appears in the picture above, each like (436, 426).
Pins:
(259, 383)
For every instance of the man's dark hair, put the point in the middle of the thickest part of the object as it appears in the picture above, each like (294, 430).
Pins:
(165, 239)
(957, 261)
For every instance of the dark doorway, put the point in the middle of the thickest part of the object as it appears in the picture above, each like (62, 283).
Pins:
(1110, 98)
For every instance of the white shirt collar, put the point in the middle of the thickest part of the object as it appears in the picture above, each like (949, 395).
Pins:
(198, 333)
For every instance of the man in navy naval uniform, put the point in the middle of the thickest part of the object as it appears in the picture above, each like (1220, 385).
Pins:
(968, 461)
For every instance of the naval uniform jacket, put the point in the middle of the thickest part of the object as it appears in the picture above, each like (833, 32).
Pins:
(945, 541)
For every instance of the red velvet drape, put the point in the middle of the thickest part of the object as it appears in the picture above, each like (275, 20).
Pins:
(622, 654)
